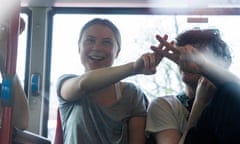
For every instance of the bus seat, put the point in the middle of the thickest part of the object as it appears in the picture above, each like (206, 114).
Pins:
(27, 137)
(59, 132)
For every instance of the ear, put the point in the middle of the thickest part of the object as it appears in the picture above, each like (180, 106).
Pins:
(117, 53)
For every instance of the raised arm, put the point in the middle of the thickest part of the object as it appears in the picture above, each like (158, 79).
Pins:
(99, 78)
(190, 59)
(205, 91)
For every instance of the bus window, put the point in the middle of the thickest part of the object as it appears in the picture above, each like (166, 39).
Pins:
(138, 34)
(21, 55)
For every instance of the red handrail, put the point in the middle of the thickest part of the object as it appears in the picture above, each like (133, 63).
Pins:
(10, 69)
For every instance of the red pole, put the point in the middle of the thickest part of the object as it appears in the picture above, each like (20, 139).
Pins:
(10, 70)
(13, 41)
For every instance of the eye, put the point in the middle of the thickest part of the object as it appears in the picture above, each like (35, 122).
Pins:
(89, 40)
(107, 42)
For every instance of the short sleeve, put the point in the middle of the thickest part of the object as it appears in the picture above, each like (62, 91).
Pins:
(165, 113)
(137, 101)
(60, 81)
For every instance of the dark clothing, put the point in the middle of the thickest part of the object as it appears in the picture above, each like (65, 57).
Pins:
(185, 100)
(220, 120)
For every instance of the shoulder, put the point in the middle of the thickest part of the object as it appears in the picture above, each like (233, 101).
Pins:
(133, 94)
(169, 103)
(130, 87)
(165, 112)
(61, 80)
(165, 100)
(131, 90)
(65, 77)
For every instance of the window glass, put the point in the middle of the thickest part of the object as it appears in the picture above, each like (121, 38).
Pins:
(22, 46)
(138, 34)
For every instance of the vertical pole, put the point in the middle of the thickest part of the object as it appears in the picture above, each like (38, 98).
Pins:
(10, 71)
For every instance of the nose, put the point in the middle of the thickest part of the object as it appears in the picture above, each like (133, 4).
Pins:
(96, 46)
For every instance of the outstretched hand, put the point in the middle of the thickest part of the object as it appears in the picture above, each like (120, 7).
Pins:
(146, 64)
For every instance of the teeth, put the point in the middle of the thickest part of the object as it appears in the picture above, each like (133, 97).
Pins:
(94, 57)
(98, 56)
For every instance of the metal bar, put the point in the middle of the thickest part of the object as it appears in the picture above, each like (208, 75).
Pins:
(10, 70)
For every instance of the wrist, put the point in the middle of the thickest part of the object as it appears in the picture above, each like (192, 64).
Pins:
(132, 68)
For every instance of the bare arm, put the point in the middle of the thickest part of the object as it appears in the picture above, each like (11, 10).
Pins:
(190, 59)
(137, 130)
(204, 93)
(20, 106)
(217, 74)
(169, 136)
(161, 122)
(97, 79)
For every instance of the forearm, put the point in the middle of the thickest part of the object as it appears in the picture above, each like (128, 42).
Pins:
(137, 130)
(194, 116)
(217, 75)
(94, 80)
(103, 77)
(20, 106)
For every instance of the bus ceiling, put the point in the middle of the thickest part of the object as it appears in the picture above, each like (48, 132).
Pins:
(133, 3)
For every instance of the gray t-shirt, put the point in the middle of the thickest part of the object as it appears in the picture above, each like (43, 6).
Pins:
(85, 122)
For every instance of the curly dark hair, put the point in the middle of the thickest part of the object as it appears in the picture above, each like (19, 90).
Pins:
(206, 39)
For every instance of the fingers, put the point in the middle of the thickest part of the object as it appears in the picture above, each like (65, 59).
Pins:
(149, 63)
(146, 60)
(166, 49)
(204, 81)
(159, 53)
(167, 45)
(205, 90)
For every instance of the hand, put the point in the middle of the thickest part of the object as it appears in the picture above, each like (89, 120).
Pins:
(166, 49)
(146, 64)
(190, 59)
(187, 57)
(205, 90)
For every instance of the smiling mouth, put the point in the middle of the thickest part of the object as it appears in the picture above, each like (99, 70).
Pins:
(96, 57)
